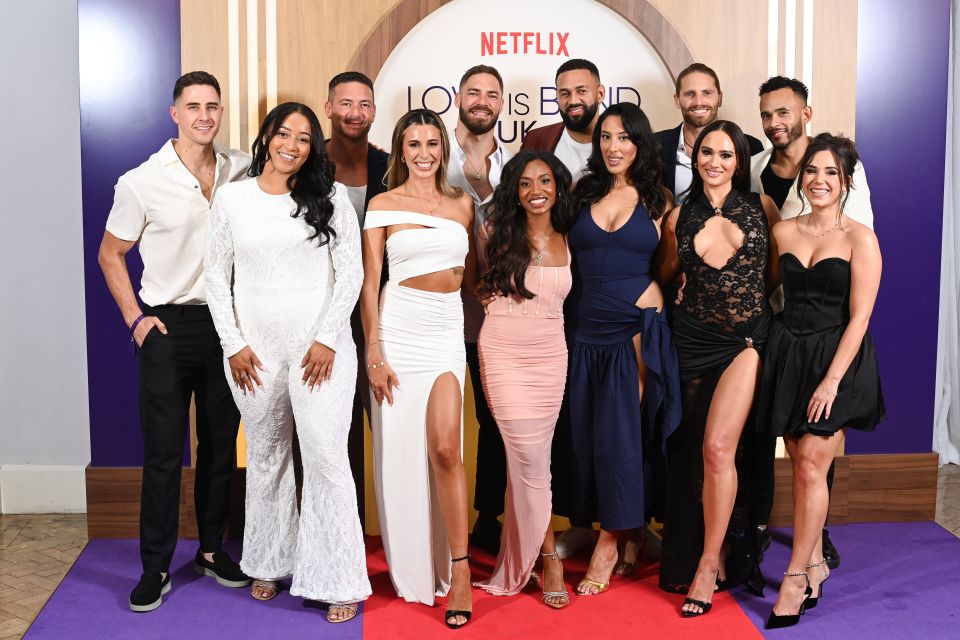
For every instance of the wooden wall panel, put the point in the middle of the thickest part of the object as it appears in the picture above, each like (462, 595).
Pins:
(867, 488)
(834, 96)
(316, 41)
(731, 38)
(203, 47)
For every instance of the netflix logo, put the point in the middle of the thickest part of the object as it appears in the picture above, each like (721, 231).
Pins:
(501, 43)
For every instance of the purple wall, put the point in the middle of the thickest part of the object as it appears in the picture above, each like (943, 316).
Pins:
(129, 60)
(902, 70)
(901, 130)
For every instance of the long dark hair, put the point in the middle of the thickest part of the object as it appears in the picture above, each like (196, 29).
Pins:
(508, 250)
(645, 174)
(845, 154)
(741, 177)
(312, 186)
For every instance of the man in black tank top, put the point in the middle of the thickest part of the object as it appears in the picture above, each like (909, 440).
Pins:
(775, 186)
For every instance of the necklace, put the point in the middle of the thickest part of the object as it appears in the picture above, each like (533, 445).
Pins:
(477, 175)
(540, 250)
(435, 207)
(800, 228)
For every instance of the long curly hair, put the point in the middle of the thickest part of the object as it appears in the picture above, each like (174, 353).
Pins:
(741, 177)
(508, 250)
(311, 187)
(645, 174)
(397, 171)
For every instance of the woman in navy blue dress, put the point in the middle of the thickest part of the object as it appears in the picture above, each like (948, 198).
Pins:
(624, 380)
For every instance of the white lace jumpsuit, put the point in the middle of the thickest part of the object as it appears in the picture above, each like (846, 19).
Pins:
(286, 293)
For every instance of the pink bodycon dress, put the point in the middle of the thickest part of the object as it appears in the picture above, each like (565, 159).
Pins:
(523, 366)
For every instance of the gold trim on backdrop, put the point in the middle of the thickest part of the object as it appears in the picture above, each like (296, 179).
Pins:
(233, 65)
(270, 28)
(790, 39)
(773, 40)
(806, 73)
(253, 71)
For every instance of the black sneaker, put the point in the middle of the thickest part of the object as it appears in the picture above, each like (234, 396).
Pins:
(830, 553)
(223, 569)
(486, 535)
(149, 592)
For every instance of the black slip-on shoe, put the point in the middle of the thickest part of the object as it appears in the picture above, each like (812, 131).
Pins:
(149, 592)
(223, 569)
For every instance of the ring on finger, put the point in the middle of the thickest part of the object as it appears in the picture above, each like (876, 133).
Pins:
(242, 376)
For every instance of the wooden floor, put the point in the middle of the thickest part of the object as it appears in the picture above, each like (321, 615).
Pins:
(36, 551)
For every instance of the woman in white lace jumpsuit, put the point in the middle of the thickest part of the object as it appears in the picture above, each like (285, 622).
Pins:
(284, 324)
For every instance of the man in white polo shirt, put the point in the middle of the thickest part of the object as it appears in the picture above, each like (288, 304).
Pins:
(476, 160)
(163, 206)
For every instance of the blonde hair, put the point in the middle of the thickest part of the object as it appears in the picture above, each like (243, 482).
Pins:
(397, 171)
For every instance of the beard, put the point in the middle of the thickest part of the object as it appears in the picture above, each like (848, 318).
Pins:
(793, 133)
(581, 123)
(699, 122)
(477, 126)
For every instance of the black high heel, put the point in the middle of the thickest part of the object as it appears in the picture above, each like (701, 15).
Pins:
(453, 613)
(811, 601)
(704, 606)
(779, 622)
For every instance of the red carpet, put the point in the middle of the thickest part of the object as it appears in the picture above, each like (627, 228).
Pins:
(632, 608)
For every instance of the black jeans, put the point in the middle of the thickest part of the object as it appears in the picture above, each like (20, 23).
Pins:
(491, 484)
(187, 361)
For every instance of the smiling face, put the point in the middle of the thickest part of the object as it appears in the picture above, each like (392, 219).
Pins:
(699, 100)
(289, 148)
(197, 113)
(822, 180)
(616, 147)
(537, 190)
(579, 95)
(422, 150)
(783, 115)
(479, 100)
(351, 110)
(716, 159)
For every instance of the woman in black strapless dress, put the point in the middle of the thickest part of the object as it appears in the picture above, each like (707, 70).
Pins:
(820, 374)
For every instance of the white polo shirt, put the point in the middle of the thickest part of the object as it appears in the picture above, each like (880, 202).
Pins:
(160, 206)
(473, 310)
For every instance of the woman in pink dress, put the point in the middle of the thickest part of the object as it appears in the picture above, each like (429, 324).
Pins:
(524, 279)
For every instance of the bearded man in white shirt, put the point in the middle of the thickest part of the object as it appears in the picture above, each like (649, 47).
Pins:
(163, 206)
(476, 159)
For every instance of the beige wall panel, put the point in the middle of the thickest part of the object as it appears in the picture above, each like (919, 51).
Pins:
(203, 46)
(316, 40)
(730, 37)
(834, 98)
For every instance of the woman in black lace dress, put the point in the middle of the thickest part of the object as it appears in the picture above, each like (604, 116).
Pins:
(719, 240)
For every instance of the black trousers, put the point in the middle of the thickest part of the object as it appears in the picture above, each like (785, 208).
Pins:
(361, 405)
(187, 361)
(491, 484)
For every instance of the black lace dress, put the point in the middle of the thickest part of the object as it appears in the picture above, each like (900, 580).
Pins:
(723, 312)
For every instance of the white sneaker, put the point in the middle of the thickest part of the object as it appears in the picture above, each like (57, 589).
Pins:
(573, 540)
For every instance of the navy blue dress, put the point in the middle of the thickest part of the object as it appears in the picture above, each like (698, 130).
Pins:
(615, 438)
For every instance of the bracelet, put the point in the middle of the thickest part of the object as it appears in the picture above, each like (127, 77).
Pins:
(375, 365)
(370, 344)
(133, 327)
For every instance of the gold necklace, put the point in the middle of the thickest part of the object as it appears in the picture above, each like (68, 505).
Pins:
(836, 225)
